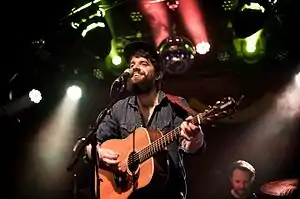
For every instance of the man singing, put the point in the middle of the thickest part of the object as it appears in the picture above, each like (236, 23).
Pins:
(149, 107)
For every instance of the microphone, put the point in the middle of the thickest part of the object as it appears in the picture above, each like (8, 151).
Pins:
(119, 84)
(78, 143)
(124, 76)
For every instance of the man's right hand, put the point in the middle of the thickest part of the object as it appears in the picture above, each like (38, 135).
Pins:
(108, 156)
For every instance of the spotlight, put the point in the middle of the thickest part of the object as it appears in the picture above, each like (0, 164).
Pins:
(38, 44)
(297, 79)
(224, 56)
(92, 26)
(116, 60)
(177, 54)
(248, 19)
(202, 47)
(173, 4)
(228, 5)
(35, 96)
(281, 55)
(98, 73)
(74, 92)
(136, 16)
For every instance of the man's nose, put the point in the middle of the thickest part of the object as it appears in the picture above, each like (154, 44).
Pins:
(242, 185)
(135, 67)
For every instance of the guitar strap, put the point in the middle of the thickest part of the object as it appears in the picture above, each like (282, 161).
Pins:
(176, 100)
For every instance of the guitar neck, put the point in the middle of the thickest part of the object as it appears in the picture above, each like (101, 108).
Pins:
(162, 142)
(220, 110)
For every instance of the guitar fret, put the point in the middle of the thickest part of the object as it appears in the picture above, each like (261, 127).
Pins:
(217, 111)
(162, 142)
(158, 145)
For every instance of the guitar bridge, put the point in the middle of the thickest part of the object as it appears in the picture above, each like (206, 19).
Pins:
(125, 181)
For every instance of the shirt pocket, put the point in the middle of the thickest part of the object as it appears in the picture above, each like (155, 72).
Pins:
(127, 128)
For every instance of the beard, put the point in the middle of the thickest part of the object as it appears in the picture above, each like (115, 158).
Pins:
(143, 86)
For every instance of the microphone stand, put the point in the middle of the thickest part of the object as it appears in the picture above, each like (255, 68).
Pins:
(90, 138)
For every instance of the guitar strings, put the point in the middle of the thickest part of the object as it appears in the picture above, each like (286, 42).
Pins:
(158, 144)
(143, 153)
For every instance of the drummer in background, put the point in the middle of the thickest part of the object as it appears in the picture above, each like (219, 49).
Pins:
(241, 176)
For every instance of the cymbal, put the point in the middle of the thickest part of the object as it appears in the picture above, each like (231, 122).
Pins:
(280, 188)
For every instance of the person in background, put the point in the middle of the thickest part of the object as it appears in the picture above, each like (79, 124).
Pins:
(241, 177)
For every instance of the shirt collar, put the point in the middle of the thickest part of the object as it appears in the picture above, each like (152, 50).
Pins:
(133, 100)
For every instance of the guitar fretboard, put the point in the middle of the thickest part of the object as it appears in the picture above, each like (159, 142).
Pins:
(218, 111)
(162, 142)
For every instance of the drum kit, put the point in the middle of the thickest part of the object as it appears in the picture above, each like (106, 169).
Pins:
(286, 187)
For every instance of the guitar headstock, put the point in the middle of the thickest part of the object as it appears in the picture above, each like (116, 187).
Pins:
(220, 109)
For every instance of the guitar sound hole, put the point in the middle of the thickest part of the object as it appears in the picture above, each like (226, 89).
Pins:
(133, 162)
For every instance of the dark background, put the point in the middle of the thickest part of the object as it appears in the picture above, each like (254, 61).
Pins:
(272, 150)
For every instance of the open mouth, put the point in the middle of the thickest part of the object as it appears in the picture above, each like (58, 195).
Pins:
(136, 74)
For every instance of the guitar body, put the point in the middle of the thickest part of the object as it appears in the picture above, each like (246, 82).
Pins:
(120, 185)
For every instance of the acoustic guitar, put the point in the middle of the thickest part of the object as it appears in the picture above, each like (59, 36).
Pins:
(142, 155)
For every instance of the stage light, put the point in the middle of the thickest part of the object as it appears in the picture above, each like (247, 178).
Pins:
(136, 16)
(76, 10)
(224, 56)
(91, 27)
(228, 5)
(297, 79)
(95, 32)
(202, 48)
(116, 60)
(35, 96)
(281, 55)
(172, 4)
(84, 23)
(98, 73)
(74, 92)
(177, 54)
(251, 49)
(248, 18)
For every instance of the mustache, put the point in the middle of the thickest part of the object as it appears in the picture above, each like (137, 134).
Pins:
(137, 70)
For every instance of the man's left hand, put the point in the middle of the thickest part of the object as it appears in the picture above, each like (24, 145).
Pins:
(189, 130)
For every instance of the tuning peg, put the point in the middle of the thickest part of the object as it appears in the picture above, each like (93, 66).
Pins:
(215, 107)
